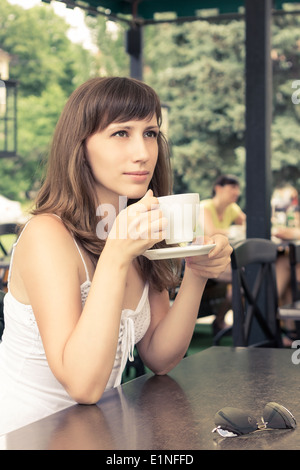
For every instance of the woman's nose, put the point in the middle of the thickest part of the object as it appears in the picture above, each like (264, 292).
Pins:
(139, 150)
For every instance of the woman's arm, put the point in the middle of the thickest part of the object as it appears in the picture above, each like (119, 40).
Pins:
(287, 233)
(241, 218)
(171, 328)
(80, 344)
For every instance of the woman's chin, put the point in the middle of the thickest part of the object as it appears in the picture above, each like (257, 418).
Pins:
(138, 193)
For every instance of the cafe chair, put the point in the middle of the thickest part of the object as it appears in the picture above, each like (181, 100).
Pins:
(292, 311)
(5, 229)
(294, 260)
(213, 296)
(254, 294)
(2, 294)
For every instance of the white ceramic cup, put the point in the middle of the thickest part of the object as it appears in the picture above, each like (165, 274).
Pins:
(181, 211)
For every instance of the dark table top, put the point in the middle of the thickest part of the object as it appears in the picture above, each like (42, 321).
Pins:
(177, 411)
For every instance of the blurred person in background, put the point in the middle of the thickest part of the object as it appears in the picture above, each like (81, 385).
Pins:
(285, 228)
(221, 214)
(221, 211)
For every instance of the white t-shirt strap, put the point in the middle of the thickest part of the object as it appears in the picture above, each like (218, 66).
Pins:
(82, 258)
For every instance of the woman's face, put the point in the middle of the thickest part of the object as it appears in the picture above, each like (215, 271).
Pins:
(230, 193)
(123, 158)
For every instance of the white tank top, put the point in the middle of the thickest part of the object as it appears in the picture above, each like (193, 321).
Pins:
(28, 389)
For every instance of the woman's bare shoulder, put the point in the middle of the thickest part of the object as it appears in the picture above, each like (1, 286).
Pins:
(45, 232)
(46, 225)
(44, 252)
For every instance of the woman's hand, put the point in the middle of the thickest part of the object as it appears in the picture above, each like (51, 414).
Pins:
(138, 227)
(212, 265)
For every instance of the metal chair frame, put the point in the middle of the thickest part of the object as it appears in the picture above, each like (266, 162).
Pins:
(254, 294)
(294, 254)
(292, 311)
(7, 229)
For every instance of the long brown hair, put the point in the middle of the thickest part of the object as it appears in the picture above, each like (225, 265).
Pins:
(68, 188)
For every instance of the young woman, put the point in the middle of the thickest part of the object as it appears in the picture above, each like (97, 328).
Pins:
(221, 211)
(81, 294)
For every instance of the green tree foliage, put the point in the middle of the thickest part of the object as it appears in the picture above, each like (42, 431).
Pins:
(203, 82)
(285, 129)
(109, 37)
(48, 67)
(197, 68)
(41, 52)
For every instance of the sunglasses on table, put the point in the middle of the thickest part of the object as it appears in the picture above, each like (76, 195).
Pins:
(233, 422)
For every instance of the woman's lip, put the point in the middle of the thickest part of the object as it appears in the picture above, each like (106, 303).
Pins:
(138, 176)
(137, 173)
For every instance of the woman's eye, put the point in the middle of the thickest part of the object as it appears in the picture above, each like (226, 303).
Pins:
(151, 134)
(120, 134)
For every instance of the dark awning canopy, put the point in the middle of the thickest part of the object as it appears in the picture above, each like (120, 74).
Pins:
(146, 9)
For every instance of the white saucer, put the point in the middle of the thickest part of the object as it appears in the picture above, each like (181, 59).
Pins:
(178, 251)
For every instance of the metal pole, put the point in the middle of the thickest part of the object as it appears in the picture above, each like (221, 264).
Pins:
(134, 47)
(258, 131)
(258, 117)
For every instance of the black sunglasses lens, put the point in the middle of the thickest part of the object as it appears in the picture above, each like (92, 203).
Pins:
(278, 417)
(235, 420)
